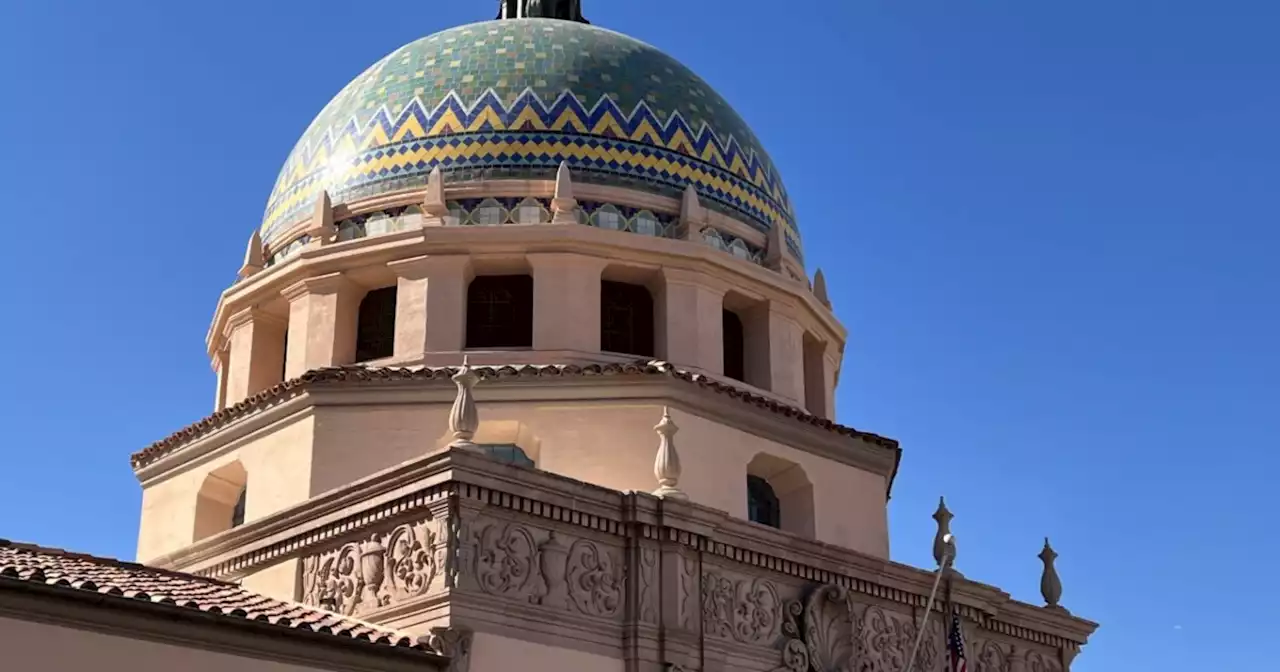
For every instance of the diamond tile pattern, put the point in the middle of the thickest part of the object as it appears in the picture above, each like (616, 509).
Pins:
(76, 571)
(514, 99)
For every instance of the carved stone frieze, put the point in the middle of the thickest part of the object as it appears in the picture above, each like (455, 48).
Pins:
(386, 568)
(687, 587)
(830, 632)
(538, 566)
(991, 656)
(648, 580)
(745, 610)
(1039, 662)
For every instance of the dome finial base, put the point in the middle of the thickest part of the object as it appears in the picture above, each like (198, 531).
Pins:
(565, 10)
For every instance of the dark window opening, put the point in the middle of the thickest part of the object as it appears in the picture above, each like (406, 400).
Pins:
(376, 325)
(500, 312)
(507, 453)
(735, 348)
(237, 513)
(626, 319)
(762, 503)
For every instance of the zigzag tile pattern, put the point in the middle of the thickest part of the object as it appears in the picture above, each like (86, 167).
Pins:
(515, 99)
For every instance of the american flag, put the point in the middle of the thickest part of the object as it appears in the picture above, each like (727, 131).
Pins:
(955, 647)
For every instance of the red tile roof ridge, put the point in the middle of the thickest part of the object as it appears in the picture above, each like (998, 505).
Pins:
(34, 564)
(361, 373)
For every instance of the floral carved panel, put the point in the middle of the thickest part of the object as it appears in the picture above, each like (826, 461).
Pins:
(539, 567)
(744, 610)
(384, 569)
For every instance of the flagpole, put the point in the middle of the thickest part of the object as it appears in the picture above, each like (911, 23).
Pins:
(949, 552)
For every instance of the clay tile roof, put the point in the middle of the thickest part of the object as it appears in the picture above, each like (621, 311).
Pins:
(132, 581)
(352, 374)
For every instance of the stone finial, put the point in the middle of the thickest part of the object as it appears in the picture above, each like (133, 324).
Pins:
(254, 259)
(1050, 584)
(322, 230)
(775, 248)
(820, 288)
(943, 539)
(564, 207)
(693, 217)
(434, 206)
(666, 467)
(464, 420)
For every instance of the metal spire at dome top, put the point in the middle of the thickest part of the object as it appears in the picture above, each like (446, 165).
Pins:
(566, 10)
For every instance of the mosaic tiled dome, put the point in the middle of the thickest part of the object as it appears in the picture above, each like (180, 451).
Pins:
(515, 98)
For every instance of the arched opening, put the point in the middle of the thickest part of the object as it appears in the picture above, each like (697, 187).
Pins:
(376, 325)
(500, 312)
(220, 503)
(626, 319)
(735, 350)
(779, 495)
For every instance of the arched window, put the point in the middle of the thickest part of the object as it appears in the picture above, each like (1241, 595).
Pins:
(237, 513)
(500, 312)
(626, 319)
(376, 325)
(220, 501)
(762, 503)
(735, 350)
(779, 494)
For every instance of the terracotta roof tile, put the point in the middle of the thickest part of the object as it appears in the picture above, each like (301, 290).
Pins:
(129, 580)
(346, 374)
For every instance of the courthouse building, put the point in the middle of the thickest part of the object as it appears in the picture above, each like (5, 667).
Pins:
(638, 467)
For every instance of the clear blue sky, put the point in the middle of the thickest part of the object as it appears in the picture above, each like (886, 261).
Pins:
(1051, 229)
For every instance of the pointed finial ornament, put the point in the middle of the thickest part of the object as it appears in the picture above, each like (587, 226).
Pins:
(433, 204)
(254, 259)
(322, 231)
(564, 207)
(941, 539)
(464, 420)
(693, 217)
(666, 467)
(1050, 584)
(820, 288)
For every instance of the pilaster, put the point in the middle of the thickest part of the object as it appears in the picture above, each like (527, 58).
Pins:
(786, 354)
(322, 322)
(692, 322)
(221, 358)
(431, 304)
(255, 356)
(566, 301)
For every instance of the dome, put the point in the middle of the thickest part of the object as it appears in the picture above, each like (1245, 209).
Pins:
(513, 99)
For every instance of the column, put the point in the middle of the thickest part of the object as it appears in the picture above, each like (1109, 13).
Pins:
(566, 301)
(220, 361)
(431, 304)
(786, 354)
(322, 323)
(255, 356)
(691, 320)
(831, 377)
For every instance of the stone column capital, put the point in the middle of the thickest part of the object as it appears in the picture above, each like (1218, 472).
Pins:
(419, 268)
(331, 283)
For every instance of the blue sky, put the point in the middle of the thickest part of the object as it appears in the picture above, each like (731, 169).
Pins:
(1049, 227)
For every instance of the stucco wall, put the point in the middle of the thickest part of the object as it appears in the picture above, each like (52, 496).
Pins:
(492, 653)
(37, 646)
(611, 444)
(277, 463)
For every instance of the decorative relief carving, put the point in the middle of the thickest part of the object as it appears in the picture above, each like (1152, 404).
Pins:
(595, 580)
(826, 634)
(511, 562)
(748, 611)
(648, 584)
(453, 642)
(688, 588)
(992, 657)
(829, 628)
(1038, 662)
(360, 577)
(506, 559)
